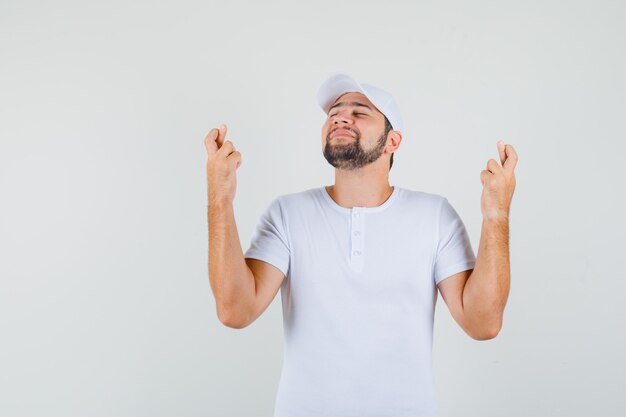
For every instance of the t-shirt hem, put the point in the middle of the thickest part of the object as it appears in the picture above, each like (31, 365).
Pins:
(269, 259)
(454, 269)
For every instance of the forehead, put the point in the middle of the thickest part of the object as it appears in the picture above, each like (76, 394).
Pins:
(354, 99)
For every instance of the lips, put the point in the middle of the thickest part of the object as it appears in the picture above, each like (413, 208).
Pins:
(342, 132)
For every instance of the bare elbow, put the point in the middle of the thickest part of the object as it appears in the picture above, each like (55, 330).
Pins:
(487, 333)
(484, 336)
(232, 320)
(234, 324)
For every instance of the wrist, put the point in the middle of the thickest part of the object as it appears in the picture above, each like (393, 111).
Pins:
(496, 218)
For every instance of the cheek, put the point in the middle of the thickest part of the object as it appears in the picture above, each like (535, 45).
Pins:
(325, 129)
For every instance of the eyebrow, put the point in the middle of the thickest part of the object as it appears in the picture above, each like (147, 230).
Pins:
(352, 103)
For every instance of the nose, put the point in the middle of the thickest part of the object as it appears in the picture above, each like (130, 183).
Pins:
(342, 117)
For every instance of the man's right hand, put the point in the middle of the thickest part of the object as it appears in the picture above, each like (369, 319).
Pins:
(223, 161)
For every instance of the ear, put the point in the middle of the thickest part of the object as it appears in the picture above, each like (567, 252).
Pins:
(394, 138)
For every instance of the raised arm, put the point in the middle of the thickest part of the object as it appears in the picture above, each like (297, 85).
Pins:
(243, 288)
(232, 282)
(477, 298)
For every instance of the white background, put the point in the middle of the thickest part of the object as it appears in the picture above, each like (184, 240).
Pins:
(105, 303)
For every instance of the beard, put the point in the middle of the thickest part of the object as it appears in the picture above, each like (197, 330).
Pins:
(347, 153)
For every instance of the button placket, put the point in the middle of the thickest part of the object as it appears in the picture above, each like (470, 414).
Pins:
(356, 238)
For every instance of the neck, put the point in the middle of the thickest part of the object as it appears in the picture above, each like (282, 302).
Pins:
(364, 187)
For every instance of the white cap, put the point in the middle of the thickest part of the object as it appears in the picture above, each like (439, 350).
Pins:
(339, 84)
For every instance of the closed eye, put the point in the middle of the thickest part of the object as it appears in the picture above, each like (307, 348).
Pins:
(362, 114)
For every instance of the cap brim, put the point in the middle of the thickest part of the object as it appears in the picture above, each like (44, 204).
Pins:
(335, 86)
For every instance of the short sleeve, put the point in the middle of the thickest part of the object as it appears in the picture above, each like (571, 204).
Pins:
(269, 241)
(454, 251)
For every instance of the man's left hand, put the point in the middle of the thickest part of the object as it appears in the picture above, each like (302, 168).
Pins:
(498, 184)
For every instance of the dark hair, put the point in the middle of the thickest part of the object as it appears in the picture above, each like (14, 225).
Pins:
(387, 130)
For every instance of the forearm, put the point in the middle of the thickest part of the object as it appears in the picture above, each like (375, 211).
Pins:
(487, 289)
(231, 280)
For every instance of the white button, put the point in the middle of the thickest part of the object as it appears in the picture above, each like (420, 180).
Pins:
(356, 233)
(356, 214)
(356, 252)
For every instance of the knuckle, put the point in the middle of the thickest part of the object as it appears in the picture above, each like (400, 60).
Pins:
(217, 162)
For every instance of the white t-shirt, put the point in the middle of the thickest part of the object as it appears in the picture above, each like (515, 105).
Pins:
(359, 298)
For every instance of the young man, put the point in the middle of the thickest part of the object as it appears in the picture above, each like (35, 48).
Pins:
(359, 264)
